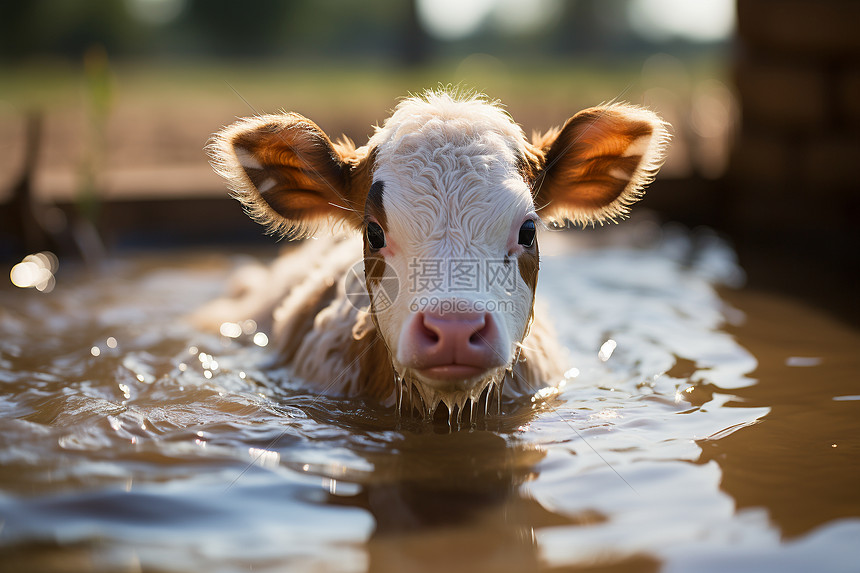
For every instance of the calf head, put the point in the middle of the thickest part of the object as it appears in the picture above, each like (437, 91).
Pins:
(449, 194)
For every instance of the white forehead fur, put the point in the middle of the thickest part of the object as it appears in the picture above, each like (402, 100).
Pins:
(452, 188)
(449, 166)
(463, 117)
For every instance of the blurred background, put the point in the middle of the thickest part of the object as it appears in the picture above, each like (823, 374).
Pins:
(106, 105)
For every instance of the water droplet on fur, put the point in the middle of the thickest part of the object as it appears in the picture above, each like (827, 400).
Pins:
(398, 395)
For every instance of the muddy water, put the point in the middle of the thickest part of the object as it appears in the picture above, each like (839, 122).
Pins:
(701, 427)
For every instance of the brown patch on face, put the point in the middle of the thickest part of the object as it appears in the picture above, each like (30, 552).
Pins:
(373, 362)
(377, 373)
(373, 206)
(374, 270)
(374, 262)
(529, 264)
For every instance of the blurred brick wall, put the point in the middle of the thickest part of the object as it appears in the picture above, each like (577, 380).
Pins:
(794, 171)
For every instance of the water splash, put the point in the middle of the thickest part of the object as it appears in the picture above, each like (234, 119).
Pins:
(66, 432)
(398, 389)
(407, 385)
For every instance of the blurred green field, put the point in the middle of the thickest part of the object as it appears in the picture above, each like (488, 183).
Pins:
(531, 90)
(137, 131)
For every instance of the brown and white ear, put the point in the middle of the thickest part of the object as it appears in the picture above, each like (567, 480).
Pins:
(598, 163)
(288, 174)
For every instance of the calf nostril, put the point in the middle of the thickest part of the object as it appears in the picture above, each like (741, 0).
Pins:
(476, 337)
(428, 333)
(479, 336)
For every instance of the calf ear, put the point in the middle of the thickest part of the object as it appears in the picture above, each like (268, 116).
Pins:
(598, 164)
(289, 175)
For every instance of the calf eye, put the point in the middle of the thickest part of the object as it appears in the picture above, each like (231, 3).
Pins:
(376, 236)
(527, 234)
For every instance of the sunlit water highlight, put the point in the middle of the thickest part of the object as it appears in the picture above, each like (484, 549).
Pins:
(130, 441)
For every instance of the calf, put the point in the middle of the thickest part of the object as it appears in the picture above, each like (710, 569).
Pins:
(447, 196)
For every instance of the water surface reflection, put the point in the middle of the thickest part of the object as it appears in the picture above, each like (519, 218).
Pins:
(701, 428)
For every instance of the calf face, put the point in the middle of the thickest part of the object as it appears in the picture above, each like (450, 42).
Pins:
(449, 195)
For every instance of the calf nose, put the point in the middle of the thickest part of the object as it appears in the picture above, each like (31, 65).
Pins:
(455, 330)
(440, 341)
